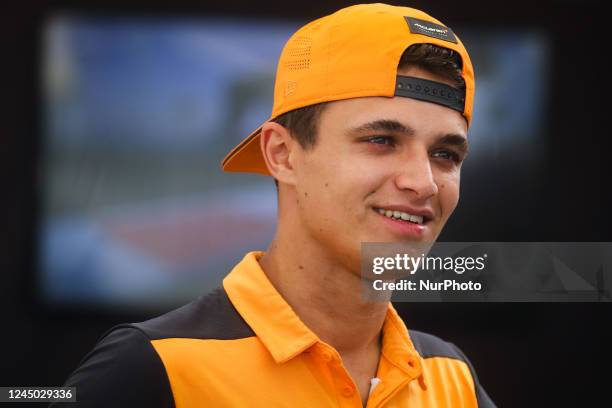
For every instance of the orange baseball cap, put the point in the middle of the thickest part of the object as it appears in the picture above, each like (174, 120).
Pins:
(354, 53)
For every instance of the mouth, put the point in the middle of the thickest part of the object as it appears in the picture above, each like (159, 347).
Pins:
(405, 225)
(402, 216)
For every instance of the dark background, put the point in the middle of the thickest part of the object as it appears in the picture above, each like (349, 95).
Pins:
(526, 354)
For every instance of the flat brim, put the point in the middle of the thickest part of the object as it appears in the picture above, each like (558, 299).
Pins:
(246, 156)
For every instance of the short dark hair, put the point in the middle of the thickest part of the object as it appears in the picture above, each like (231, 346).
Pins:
(302, 123)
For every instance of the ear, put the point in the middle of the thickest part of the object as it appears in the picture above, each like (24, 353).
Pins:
(277, 148)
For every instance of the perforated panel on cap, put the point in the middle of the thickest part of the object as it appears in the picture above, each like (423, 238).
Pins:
(298, 53)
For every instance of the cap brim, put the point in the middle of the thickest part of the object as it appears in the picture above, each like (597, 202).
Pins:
(246, 156)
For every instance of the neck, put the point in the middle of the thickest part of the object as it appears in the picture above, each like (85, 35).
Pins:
(324, 294)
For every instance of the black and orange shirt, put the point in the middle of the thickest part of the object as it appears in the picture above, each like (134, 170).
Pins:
(243, 346)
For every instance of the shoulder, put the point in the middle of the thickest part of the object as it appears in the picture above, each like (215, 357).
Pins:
(122, 370)
(124, 366)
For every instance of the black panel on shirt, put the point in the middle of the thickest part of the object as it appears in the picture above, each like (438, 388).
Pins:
(123, 370)
(431, 346)
(210, 316)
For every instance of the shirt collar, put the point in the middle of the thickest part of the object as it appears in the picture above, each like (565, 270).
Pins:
(283, 333)
(398, 348)
(262, 307)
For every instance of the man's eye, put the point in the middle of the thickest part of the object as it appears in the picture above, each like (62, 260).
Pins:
(382, 140)
(448, 155)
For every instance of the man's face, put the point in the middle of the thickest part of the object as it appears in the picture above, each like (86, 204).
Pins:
(374, 157)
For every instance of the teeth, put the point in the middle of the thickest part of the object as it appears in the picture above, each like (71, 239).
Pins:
(416, 218)
(400, 215)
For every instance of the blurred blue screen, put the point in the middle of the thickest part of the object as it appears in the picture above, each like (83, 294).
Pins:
(138, 113)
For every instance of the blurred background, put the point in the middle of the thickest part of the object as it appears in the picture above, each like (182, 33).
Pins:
(115, 210)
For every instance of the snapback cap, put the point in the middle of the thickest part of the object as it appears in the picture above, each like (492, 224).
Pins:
(352, 53)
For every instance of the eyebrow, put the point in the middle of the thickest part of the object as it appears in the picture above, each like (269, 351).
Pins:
(384, 125)
(388, 125)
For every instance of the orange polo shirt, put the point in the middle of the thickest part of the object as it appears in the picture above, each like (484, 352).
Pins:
(243, 346)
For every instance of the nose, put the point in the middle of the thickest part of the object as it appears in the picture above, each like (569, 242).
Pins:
(416, 175)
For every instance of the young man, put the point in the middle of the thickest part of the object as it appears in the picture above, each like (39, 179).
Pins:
(368, 131)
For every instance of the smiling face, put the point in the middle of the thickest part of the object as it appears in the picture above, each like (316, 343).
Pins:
(377, 157)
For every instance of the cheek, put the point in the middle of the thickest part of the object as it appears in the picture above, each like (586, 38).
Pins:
(320, 190)
(357, 180)
(448, 191)
(341, 184)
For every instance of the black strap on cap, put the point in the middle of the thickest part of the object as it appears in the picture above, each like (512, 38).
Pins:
(430, 91)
